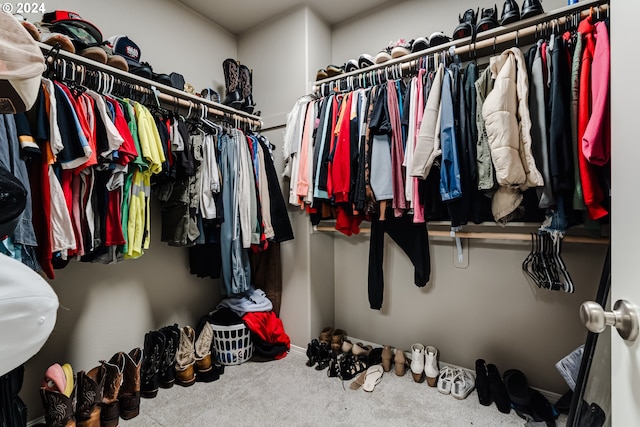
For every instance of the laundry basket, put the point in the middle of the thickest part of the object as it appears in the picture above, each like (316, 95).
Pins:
(232, 344)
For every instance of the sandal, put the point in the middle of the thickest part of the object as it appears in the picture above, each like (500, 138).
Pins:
(360, 349)
(372, 377)
(358, 382)
(445, 379)
(351, 366)
(463, 383)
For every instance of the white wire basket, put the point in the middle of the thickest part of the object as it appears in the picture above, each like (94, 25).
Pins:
(232, 344)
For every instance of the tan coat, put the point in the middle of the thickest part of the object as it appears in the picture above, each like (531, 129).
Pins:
(508, 124)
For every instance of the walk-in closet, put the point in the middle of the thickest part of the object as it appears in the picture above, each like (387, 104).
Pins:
(473, 280)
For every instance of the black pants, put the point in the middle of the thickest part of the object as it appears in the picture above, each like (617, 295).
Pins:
(412, 239)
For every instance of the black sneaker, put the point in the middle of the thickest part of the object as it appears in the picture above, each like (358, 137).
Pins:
(466, 26)
(420, 44)
(510, 12)
(488, 20)
(531, 8)
(351, 65)
(438, 38)
(365, 60)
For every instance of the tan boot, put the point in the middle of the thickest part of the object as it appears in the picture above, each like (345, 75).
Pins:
(129, 394)
(110, 413)
(203, 366)
(89, 388)
(185, 357)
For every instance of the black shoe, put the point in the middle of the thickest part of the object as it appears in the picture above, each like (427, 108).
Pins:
(246, 86)
(531, 8)
(351, 65)
(467, 24)
(143, 70)
(498, 390)
(438, 38)
(420, 44)
(482, 383)
(365, 60)
(312, 352)
(151, 362)
(510, 12)
(488, 20)
(167, 370)
(231, 70)
(324, 356)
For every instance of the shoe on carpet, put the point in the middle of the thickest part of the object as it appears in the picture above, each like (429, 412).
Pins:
(462, 384)
(498, 390)
(386, 358)
(417, 361)
(445, 379)
(482, 383)
(372, 378)
(400, 363)
(431, 365)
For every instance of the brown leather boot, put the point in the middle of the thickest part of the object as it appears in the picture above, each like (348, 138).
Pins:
(185, 357)
(89, 388)
(110, 413)
(129, 394)
(58, 408)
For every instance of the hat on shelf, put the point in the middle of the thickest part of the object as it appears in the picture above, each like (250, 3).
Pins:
(125, 47)
(73, 20)
(21, 66)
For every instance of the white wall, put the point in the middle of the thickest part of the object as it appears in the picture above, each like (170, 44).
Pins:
(108, 308)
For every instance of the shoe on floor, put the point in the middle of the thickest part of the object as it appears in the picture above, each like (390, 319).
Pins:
(400, 363)
(387, 355)
(498, 390)
(462, 384)
(482, 383)
(417, 361)
(445, 379)
(373, 376)
(431, 365)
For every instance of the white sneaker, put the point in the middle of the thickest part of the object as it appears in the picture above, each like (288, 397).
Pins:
(463, 383)
(417, 361)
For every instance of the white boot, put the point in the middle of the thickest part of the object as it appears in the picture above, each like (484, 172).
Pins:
(431, 365)
(417, 361)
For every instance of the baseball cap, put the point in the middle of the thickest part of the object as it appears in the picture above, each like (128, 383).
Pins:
(21, 66)
(124, 46)
(72, 18)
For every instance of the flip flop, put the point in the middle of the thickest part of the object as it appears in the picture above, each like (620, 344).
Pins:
(358, 382)
(373, 376)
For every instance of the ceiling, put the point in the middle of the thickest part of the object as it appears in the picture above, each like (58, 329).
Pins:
(238, 16)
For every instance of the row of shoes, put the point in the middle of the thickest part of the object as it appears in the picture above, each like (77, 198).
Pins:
(112, 390)
(473, 22)
(96, 398)
(511, 391)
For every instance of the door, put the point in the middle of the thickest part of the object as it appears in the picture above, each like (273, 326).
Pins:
(625, 226)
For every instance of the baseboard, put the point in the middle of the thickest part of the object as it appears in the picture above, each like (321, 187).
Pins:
(37, 421)
(298, 351)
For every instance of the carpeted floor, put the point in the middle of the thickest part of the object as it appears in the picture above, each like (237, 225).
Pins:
(288, 393)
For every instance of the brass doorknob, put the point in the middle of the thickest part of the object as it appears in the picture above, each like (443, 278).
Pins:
(624, 318)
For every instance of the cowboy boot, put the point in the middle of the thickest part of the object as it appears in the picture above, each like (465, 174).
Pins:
(246, 85)
(203, 366)
(129, 394)
(186, 357)
(153, 350)
(167, 374)
(110, 412)
(58, 408)
(89, 387)
(232, 83)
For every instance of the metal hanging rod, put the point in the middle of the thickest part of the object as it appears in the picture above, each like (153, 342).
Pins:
(168, 96)
(488, 39)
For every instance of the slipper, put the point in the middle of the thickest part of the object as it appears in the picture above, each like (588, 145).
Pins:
(541, 409)
(517, 387)
(358, 382)
(373, 376)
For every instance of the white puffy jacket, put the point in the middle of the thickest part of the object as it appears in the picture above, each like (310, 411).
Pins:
(508, 123)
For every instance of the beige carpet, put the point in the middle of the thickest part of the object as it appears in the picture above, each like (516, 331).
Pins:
(288, 393)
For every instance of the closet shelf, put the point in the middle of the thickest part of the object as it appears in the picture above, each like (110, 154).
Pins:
(488, 42)
(168, 97)
(487, 235)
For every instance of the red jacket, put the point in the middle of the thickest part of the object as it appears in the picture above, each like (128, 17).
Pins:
(592, 192)
(341, 162)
